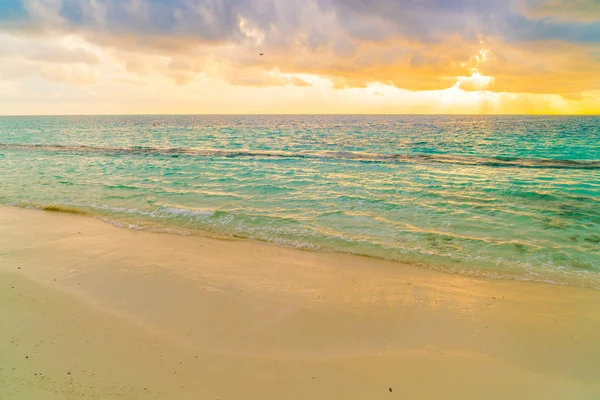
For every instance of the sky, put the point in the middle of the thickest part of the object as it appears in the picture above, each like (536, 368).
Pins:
(318, 56)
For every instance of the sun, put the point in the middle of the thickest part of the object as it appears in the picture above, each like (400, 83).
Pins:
(474, 83)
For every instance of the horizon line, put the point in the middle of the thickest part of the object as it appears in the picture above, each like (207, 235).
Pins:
(308, 114)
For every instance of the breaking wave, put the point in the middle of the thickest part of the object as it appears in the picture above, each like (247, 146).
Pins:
(497, 161)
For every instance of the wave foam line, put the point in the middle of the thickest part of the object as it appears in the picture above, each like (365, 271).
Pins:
(498, 161)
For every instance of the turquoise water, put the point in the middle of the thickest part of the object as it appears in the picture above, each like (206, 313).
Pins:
(502, 197)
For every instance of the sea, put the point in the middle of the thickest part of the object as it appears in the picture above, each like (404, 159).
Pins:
(501, 197)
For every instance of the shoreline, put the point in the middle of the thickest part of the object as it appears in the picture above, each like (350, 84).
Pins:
(135, 308)
(585, 280)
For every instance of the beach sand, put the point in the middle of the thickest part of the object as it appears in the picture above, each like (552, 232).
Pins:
(92, 311)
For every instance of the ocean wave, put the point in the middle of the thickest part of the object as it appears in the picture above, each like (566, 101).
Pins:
(442, 251)
(495, 161)
(186, 212)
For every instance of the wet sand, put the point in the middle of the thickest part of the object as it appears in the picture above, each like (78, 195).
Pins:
(91, 311)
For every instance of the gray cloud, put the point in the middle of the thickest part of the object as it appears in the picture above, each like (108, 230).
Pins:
(415, 44)
(367, 20)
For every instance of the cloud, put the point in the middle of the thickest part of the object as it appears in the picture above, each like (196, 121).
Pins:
(299, 82)
(64, 56)
(561, 10)
(535, 46)
(547, 67)
(74, 74)
(315, 22)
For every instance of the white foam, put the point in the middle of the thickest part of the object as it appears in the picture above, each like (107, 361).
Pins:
(187, 212)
